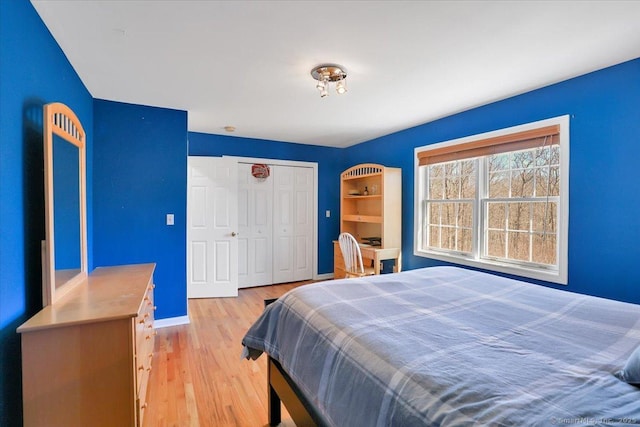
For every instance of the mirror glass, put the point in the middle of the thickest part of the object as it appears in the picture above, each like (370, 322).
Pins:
(66, 210)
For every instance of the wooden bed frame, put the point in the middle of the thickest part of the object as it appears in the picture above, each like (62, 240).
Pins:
(283, 390)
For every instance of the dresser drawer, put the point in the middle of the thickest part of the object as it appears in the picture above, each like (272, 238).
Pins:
(145, 332)
(145, 340)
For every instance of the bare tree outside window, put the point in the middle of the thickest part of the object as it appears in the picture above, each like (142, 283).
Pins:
(520, 206)
(452, 189)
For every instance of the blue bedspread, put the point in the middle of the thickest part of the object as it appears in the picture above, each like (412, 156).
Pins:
(445, 346)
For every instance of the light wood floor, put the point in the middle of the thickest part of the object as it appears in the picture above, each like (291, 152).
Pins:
(198, 377)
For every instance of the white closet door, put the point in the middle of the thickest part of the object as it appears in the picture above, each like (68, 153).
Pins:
(212, 248)
(255, 238)
(244, 229)
(283, 224)
(303, 212)
(293, 224)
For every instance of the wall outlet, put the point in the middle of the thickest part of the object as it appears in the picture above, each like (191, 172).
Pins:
(170, 219)
(328, 214)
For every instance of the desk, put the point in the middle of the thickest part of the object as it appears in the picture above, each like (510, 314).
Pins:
(375, 253)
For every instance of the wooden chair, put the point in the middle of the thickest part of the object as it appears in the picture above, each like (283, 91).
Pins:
(353, 257)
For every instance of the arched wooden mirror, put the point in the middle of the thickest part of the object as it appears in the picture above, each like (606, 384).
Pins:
(65, 247)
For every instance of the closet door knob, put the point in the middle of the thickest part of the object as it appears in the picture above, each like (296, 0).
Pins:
(233, 234)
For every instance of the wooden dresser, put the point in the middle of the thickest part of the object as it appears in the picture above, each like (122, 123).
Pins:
(86, 359)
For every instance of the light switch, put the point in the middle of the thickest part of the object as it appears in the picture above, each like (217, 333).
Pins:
(170, 220)
(328, 214)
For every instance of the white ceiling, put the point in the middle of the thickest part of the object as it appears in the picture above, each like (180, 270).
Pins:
(247, 63)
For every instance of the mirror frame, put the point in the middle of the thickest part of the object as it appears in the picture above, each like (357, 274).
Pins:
(60, 120)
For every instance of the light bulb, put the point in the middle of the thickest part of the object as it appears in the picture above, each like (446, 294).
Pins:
(321, 85)
(341, 86)
(324, 92)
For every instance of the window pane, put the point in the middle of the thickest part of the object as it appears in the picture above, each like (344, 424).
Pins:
(499, 162)
(448, 214)
(522, 159)
(434, 213)
(522, 183)
(436, 171)
(436, 186)
(451, 169)
(465, 215)
(542, 156)
(554, 157)
(451, 223)
(468, 186)
(448, 238)
(496, 244)
(434, 237)
(465, 241)
(542, 182)
(518, 246)
(544, 249)
(554, 181)
(499, 184)
(452, 187)
(468, 167)
(496, 215)
(545, 217)
(519, 216)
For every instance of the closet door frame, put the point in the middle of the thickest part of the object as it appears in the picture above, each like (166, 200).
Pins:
(295, 163)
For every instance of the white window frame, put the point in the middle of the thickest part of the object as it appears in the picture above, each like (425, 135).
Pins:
(559, 275)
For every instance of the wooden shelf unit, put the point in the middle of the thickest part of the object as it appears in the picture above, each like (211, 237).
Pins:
(86, 359)
(376, 214)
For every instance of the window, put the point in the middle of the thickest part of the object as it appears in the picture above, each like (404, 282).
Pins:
(497, 201)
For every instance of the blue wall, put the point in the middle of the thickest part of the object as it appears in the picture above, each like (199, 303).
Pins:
(604, 204)
(33, 71)
(136, 174)
(330, 163)
(140, 175)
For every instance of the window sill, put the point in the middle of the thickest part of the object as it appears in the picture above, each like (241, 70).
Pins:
(552, 276)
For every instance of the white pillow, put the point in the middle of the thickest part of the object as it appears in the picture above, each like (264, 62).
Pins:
(631, 371)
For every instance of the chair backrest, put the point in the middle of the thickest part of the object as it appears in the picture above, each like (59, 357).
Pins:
(351, 253)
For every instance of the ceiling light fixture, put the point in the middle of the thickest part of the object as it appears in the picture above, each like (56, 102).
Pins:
(330, 73)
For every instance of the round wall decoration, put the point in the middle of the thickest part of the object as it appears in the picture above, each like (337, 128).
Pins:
(260, 171)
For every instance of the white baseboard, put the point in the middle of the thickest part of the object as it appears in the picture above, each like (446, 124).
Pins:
(324, 276)
(171, 321)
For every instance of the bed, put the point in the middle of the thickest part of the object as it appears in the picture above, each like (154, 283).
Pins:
(446, 346)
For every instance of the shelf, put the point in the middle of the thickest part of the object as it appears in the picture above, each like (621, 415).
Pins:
(366, 175)
(363, 218)
(370, 196)
(379, 213)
